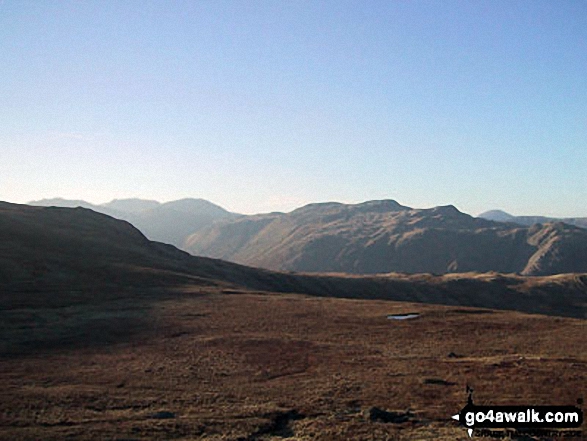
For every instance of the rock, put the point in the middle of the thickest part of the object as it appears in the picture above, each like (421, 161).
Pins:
(438, 381)
(163, 415)
(376, 414)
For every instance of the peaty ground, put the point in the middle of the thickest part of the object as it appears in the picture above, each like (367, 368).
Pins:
(203, 363)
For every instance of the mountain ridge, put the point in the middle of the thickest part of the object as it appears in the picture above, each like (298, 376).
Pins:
(377, 236)
(383, 236)
(64, 256)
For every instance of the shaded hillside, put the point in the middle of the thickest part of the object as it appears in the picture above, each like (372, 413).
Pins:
(62, 255)
(383, 236)
(169, 222)
(502, 216)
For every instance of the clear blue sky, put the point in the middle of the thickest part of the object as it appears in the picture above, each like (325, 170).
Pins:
(268, 105)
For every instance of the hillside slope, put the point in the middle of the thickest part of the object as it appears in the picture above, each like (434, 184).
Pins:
(60, 256)
(383, 236)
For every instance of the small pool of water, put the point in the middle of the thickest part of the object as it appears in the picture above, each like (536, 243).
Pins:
(408, 316)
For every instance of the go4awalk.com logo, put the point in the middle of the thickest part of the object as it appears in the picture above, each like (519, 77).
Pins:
(542, 420)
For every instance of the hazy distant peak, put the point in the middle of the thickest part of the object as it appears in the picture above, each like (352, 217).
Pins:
(497, 215)
(131, 205)
(188, 205)
(61, 202)
(502, 216)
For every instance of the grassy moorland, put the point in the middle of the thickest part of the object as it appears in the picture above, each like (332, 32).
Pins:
(203, 364)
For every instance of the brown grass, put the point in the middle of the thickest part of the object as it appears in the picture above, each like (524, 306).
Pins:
(273, 366)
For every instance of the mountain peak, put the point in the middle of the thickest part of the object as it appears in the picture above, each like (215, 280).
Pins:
(497, 215)
(189, 205)
(383, 205)
(446, 210)
(379, 206)
(131, 205)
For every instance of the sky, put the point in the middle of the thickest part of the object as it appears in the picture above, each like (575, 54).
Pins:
(265, 106)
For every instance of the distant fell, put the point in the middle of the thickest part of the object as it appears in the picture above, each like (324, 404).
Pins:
(502, 216)
(384, 236)
(497, 215)
(170, 222)
(66, 203)
(132, 205)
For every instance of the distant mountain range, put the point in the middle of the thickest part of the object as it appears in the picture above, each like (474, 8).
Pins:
(502, 216)
(51, 256)
(367, 238)
(169, 222)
